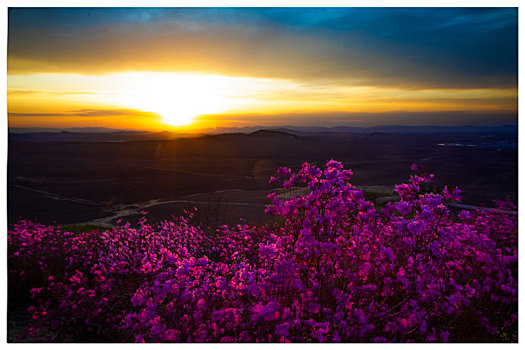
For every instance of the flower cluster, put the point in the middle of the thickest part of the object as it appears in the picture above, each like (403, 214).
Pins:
(334, 269)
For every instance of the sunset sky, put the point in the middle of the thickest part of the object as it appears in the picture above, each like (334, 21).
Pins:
(155, 68)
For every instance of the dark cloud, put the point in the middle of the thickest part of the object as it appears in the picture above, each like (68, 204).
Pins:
(90, 113)
(411, 48)
(368, 119)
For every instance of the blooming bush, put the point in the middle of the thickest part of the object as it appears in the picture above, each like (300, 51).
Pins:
(335, 269)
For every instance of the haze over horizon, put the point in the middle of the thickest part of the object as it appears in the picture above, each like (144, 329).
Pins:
(200, 68)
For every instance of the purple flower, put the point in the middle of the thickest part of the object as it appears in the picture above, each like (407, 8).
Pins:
(464, 215)
(387, 253)
(138, 298)
(283, 329)
(274, 180)
(444, 336)
(415, 167)
(416, 227)
(332, 164)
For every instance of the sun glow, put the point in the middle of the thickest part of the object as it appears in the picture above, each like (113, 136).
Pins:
(167, 100)
(179, 97)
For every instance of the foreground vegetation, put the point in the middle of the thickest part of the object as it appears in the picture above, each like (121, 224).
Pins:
(335, 269)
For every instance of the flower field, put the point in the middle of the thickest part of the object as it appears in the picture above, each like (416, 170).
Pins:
(332, 269)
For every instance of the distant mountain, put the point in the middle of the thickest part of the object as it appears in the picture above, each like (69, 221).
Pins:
(115, 135)
(387, 129)
(263, 133)
(272, 133)
(403, 129)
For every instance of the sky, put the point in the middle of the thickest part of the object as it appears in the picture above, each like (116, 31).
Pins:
(201, 68)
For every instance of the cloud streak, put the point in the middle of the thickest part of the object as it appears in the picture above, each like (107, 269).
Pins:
(25, 92)
(133, 113)
(366, 119)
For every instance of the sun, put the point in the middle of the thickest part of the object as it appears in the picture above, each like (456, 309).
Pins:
(178, 97)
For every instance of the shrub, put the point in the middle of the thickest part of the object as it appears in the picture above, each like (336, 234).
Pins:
(334, 269)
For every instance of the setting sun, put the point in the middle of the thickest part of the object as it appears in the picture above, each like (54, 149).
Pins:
(177, 97)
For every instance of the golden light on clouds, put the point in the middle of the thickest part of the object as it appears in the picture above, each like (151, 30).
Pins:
(161, 101)
(178, 98)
